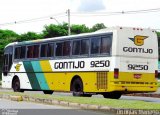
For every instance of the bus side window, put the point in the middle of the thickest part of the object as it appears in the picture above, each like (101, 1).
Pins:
(95, 45)
(30, 51)
(50, 50)
(5, 65)
(23, 52)
(59, 49)
(17, 53)
(76, 47)
(8, 53)
(66, 48)
(85, 47)
(43, 52)
(36, 51)
(33, 51)
(105, 45)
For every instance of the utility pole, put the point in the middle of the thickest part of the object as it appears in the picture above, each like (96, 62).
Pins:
(69, 28)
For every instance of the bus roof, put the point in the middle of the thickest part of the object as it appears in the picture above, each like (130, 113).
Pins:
(101, 31)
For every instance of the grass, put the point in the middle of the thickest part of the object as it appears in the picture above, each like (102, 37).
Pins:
(127, 104)
(158, 84)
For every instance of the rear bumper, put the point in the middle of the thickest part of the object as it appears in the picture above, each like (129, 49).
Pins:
(134, 88)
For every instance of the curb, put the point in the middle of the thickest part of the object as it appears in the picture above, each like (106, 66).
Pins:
(16, 98)
(145, 95)
(68, 104)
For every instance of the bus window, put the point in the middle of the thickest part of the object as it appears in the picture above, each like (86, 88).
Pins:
(36, 51)
(76, 47)
(59, 48)
(66, 48)
(17, 53)
(106, 43)
(30, 51)
(33, 51)
(20, 52)
(51, 50)
(95, 45)
(44, 50)
(85, 47)
(7, 62)
(23, 52)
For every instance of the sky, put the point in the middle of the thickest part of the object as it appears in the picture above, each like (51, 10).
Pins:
(38, 12)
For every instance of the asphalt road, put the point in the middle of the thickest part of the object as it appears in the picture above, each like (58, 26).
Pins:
(8, 107)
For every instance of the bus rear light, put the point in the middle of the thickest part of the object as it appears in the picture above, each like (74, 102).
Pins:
(156, 73)
(116, 73)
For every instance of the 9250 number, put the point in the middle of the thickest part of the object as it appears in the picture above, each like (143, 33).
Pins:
(137, 67)
(101, 63)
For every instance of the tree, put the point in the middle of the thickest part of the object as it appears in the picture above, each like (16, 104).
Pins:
(53, 30)
(7, 33)
(158, 34)
(6, 37)
(98, 26)
(29, 36)
(77, 29)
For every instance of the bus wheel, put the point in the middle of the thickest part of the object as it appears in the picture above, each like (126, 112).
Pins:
(16, 85)
(48, 92)
(77, 87)
(112, 95)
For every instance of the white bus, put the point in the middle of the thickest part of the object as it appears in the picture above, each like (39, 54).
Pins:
(110, 62)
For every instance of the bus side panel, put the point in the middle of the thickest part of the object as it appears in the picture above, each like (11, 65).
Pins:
(6, 81)
(19, 70)
(61, 81)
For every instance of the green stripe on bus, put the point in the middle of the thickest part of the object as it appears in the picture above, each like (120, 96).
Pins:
(31, 75)
(40, 76)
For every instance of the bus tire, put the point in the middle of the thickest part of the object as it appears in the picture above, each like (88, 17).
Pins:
(48, 92)
(77, 87)
(16, 85)
(112, 95)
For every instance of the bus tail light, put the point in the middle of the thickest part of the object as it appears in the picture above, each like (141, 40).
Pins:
(116, 73)
(156, 73)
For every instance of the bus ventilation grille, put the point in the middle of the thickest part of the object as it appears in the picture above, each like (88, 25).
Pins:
(101, 80)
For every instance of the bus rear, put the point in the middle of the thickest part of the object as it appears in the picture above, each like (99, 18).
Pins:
(136, 61)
